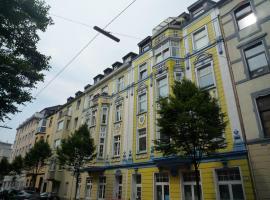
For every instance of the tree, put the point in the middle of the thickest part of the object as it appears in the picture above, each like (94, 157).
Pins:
(17, 164)
(4, 167)
(21, 65)
(191, 125)
(76, 151)
(35, 159)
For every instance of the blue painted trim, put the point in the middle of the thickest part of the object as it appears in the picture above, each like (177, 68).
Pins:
(172, 161)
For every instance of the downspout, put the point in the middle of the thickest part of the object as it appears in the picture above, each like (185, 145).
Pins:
(239, 111)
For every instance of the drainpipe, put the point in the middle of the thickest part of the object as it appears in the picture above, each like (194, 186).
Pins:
(239, 111)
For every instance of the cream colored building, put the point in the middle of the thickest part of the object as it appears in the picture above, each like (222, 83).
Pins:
(246, 28)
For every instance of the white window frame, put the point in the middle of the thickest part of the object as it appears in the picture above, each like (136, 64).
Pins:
(158, 87)
(120, 83)
(103, 185)
(134, 187)
(59, 128)
(193, 186)
(117, 145)
(199, 67)
(138, 140)
(178, 73)
(57, 143)
(193, 37)
(118, 187)
(104, 113)
(229, 182)
(118, 112)
(105, 89)
(142, 69)
(93, 117)
(88, 187)
(162, 184)
(140, 101)
(102, 136)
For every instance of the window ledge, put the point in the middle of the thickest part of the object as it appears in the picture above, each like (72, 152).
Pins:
(116, 122)
(141, 113)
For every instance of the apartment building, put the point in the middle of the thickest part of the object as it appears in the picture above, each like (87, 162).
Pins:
(246, 29)
(120, 109)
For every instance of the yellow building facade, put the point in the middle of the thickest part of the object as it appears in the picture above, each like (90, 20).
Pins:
(120, 109)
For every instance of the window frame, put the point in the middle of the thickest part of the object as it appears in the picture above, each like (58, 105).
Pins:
(193, 38)
(238, 9)
(120, 83)
(158, 88)
(261, 125)
(140, 102)
(116, 146)
(199, 67)
(104, 114)
(162, 184)
(138, 140)
(102, 135)
(94, 116)
(266, 53)
(230, 182)
(192, 184)
(118, 118)
(88, 182)
(103, 185)
(142, 69)
(62, 127)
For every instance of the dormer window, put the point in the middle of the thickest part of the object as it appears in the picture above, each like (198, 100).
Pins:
(145, 48)
(244, 16)
(198, 11)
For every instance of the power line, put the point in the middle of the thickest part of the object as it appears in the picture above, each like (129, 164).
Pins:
(77, 54)
(89, 26)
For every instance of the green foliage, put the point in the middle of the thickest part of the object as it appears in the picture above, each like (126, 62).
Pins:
(191, 123)
(4, 167)
(36, 157)
(77, 149)
(17, 164)
(21, 65)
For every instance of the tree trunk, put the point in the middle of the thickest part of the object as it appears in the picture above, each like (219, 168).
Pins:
(34, 177)
(197, 178)
(77, 174)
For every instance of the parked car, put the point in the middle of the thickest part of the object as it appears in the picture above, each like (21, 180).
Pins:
(27, 195)
(49, 196)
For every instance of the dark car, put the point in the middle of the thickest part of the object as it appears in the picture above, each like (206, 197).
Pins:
(49, 196)
(27, 195)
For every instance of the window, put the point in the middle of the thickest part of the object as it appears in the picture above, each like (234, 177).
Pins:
(102, 142)
(118, 187)
(104, 115)
(120, 84)
(60, 125)
(162, 87)
(229, 184)
(141, 141)
(162, 52)
(88, 187)
(78, 104)
(263, 104)
(145, 48)
(142, 103)
(68, 123)
(57, 143)
(197, 12)
(69, 111)
(244, 16)
(142, 71)
(189, 186)
(93, 118)
(78, 189)
(118, 110)
(205, 76)
(50, 122)
(138, 186)
(175, 48)
(256, 59)
(66, 189)
(178, 76)
(105, 89)
(200, 38)
(101, 188)
(75, 122)
(116, 145)
(162, 191)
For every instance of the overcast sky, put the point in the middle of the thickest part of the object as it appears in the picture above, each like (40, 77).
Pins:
(64, 39)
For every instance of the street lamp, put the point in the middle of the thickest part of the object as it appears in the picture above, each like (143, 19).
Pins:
(106, 33)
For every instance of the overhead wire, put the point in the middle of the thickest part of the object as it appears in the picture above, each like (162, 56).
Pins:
(89, 26)
(76, 55)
